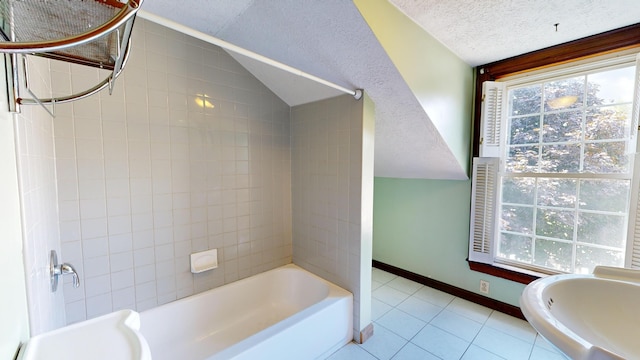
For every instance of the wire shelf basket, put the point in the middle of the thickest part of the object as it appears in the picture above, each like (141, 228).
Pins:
(88, 32)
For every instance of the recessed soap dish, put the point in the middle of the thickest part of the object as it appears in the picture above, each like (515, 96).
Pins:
(204, 261)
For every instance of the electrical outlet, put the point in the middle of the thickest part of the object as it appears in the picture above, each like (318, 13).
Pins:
(484, 287)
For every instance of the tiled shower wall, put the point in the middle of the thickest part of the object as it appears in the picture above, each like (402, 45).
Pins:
(332, 192)
(37, 182)
(191, 152)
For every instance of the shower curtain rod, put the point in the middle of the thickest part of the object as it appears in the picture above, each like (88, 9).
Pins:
(357, 94)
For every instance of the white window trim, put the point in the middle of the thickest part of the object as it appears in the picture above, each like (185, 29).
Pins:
(484, 212)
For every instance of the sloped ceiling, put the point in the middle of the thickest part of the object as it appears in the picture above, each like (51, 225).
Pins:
(331, 40)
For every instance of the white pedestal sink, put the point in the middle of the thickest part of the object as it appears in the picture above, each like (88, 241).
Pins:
(112, 336)
(592, 317)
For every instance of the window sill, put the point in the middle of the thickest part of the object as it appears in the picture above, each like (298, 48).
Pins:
(505, 272)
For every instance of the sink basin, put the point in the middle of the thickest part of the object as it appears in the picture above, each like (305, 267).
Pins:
(587, 316)
(112, 336)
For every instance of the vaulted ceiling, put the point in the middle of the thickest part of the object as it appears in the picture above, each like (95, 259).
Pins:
(330, 39)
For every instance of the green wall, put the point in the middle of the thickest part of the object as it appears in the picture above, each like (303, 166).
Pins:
(423, 226)
(439, 79)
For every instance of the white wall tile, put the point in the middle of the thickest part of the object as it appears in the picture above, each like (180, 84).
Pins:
(326, 192)
(123, 298)
(121, 243)
(68, 210)
(120, 261)
(96, 266)
(143, 275)
(97, 285)
(122, 279)
(98, 305)
(75, 311)
(119, 207)
(115, 168)
(115, 149)
(69, 231)
(93, 228)
(145, 179)
(93, 208)
(95, 247)
(142, 221)
(87, 127)
(90, 187)
(145, 291)
(36, 170)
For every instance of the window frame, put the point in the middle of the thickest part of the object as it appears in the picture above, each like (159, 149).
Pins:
(595, 65)
(608, 42)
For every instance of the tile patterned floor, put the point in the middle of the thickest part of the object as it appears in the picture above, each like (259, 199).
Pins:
(413, 321)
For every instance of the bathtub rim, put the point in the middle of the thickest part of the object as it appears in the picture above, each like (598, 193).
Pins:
(334, 295)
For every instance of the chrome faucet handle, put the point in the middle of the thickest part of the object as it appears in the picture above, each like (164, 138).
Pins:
(61, 269)
(65, 269)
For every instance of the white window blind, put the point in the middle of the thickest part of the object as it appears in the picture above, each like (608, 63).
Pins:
(632, 258)
(491, 121)
(483, 209)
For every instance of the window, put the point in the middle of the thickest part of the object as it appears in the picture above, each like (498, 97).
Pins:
(552, 188)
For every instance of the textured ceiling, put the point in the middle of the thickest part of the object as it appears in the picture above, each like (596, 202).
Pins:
(331, 40)
(483, 31)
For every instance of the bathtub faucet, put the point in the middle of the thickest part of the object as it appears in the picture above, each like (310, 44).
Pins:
(64, 269)
(55, 270)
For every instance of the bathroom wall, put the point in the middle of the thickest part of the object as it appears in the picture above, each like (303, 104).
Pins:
(332, 190)
(190, 153)
(14, 327)
(37, 182)
(423, 226)
(440, 80)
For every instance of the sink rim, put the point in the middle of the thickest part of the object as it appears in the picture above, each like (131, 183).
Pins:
(122, 324)
(537, 311)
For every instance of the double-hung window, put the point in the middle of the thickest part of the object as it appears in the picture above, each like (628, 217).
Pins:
(554, 185)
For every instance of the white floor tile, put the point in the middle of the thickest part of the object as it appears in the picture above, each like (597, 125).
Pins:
(384, 344)
(381, 276)
(539, 353)
(512, 326)
(440, 343)
(351, 351)
(405, 285)
(502, 344)
(375, 284)
(413, 352)
(434, 296)
(401, 323)
(477, 353)
(378, 308)
(420, 309)
(470, 310)
(389, 295)
(457, 325)
(543, 343)
(412, 321)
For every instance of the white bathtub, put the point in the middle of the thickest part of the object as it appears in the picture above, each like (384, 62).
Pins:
(285, 313)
